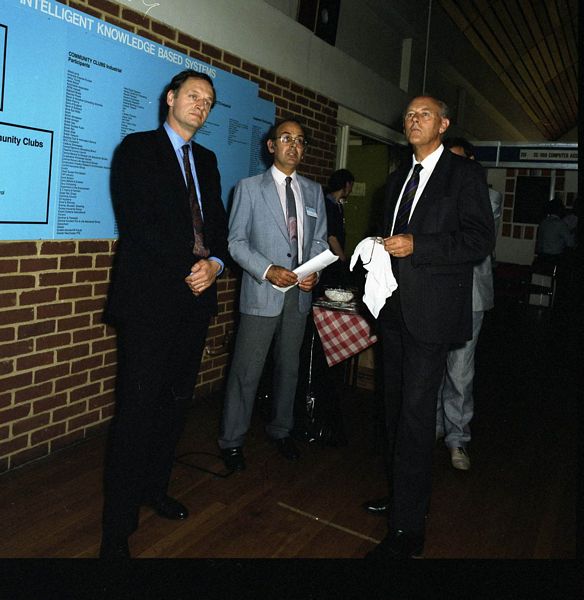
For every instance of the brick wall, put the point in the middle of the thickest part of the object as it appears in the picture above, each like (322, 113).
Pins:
(57, 359)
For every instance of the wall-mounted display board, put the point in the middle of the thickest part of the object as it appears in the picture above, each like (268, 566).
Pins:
(71, 87)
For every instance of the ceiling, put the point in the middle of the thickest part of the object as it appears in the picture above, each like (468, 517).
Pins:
(531, 45)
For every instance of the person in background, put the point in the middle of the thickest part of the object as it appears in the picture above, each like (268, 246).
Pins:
(455, 399)
(166, 193)
(277, 222)
(553, 234)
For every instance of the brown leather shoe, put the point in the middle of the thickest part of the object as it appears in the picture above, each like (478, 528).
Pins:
(233, 458)
(287, 448)
(169, 508)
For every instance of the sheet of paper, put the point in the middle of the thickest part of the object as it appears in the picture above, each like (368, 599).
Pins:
(318, 263)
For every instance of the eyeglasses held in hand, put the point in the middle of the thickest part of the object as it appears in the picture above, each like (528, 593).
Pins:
(288, 139)
(375, 240)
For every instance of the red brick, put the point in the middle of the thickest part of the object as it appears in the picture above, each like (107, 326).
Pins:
(84, 392)
(231, 59)
(6, 367)
(101, 400)
(27, 425)
(38, 296)
(17, 282)
(15, 382)
(36, 329)
(37, 359)
(103, 260)
(103, 373)
(93, 275)
(100, 289)
(82, 306)
(4, 465)
(212, 51)
(32, 393)
(104, 345)
(21, 458)
(46, 404)
(73, 323)
(253, 69)
(5, 400)
(72, 410)
(53, 341)
(59, 309)
(48, 433)
(16, 348)
(13, 445)
(189, 41)
(58, 248)
(28, 265)
(105, 6)
(84, 420)
(4, 432)
(164, 30)
(62, 278)
(74, 291)
(66, 354)
(7, 300)
(134, 17)
(18, 249)
(70, 382)
(108, 384)
(88, 334)
(76, 262)
(8, 266)
(53, 372)
(87, 364)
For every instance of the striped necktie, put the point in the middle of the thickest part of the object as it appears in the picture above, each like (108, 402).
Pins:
(292, 221)
(405, 205)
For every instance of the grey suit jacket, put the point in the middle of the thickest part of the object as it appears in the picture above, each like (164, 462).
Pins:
(483, 296)
(258, 237)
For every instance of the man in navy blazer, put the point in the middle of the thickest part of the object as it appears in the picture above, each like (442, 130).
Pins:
(438, 224)
(161, 299)
(261, 225)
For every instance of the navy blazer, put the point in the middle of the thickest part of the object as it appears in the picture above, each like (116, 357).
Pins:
(154, 250)
(453, 228)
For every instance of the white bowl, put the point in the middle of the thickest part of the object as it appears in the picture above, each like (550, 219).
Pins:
(338, 295)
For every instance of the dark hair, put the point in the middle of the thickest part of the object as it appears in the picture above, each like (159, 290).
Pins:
(462, 143)
(177, 81)
(276, 125)
(554, 207)
(339, 179)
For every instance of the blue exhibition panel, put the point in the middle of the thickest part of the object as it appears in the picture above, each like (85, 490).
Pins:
(71, 88)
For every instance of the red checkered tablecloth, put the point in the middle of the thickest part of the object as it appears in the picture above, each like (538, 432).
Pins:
(342, 334)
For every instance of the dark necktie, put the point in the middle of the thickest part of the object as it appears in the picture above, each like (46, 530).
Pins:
(405, 205)
(199, 248)
(292, 222)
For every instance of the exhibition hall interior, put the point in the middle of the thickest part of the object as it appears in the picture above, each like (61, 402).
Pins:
(345, 70)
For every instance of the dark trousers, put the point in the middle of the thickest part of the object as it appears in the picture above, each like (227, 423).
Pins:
(412, 372)
(157, 372)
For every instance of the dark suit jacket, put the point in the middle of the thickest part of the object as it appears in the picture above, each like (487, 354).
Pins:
(154, 251)
(453, 228)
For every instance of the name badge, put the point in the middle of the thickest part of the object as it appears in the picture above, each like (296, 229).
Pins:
(311, 212)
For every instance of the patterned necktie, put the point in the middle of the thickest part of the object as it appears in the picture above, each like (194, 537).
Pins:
(199, 248)
(405, 205)
(292, 222)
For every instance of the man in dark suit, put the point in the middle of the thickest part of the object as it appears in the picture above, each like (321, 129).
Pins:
(172, 245)
(438, 223)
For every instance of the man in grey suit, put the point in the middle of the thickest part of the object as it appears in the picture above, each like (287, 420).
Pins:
(455, 398)
(277, 222)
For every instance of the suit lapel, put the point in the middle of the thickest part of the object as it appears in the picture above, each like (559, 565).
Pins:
(434, 188)
(272, 201)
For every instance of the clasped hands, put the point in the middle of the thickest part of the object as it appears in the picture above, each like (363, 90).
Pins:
(400, 245)
(202, 276)
(282, 277)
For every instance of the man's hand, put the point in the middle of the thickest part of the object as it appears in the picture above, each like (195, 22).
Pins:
(308, 283)
(280, 276)
(203, 275)
(400, 245)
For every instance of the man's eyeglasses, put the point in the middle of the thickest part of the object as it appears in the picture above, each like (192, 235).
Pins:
(286, 139)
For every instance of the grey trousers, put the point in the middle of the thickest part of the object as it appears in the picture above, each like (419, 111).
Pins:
(254, 337)
(455, 399)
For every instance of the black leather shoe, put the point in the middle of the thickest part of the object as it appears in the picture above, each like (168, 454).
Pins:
(114, 549)
(169, 508)
(287, 448)
(398, 545)
(233, 458)
(379, 506)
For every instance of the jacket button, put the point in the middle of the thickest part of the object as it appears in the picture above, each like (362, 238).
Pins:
(289, 255)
